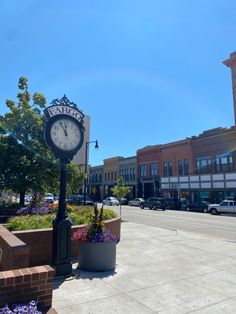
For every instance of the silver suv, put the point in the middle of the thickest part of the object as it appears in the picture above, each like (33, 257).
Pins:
(226, 206)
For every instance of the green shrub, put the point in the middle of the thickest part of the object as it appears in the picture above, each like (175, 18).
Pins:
(79, 215)
(10, 206)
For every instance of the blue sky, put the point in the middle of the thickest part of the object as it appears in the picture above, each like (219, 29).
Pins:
(146, 71)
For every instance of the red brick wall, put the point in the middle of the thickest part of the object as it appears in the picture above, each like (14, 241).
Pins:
(177, 151)
(26, 284)
(14, 253)
(215, 144)
(166, 152)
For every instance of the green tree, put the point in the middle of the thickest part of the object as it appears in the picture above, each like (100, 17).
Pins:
(120, 190)
(25, 161)
(75, 179)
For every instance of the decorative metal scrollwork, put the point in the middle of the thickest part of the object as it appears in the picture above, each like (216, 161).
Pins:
(64, 101)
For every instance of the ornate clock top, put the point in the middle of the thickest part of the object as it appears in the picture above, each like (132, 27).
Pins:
(66, 107)
(64, 101)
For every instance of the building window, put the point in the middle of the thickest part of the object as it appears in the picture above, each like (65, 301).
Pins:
(170, 168)
(165, 168)
(133, 174)
(224, 162)
(126, 174)
(96, 178)
(153, 169)
(203, 164)
(186, 171)
(111, 176)
(105, 176)
(115, 175)
(180, 167)
(108, 176)
(143, 171)
(100, 177)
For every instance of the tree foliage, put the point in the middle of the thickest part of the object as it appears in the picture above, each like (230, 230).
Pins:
(75, 179)
(120, 190)
(25, 161)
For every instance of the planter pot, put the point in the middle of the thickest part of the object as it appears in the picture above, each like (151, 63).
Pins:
(97, 256)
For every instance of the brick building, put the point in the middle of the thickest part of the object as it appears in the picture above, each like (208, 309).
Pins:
(212, 175)
(166, 160)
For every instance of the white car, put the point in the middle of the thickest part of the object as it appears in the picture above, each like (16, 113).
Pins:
(227, 206)
(28, 198)
(49, 198)
(136, 202)
(110, 201)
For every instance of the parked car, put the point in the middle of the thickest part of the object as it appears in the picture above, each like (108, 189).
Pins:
(49, 198)
(111, 201)
(123, 201)
(172, 203)
(136, 202)
(153, 203)
(28, 198)
(198, 206)
(79, 200)
(226, 206)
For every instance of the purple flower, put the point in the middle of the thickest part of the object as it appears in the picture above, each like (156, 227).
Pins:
(95, 231)
(33, 210)
(30, 308)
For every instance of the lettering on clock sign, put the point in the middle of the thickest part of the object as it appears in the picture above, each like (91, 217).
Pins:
(58, 110)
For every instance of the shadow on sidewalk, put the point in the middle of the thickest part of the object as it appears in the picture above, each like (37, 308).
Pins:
(82, 274)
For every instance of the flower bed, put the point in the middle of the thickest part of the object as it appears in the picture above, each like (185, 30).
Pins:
(39, 218)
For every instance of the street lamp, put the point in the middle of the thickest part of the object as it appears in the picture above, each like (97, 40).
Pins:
(86, 166)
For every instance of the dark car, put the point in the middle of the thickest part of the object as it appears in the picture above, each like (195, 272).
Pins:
(172, 203)
(197, 206)
(79, 200)
(153, 203)
(123, 201)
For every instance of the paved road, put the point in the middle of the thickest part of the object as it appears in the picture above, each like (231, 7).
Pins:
(222, 227)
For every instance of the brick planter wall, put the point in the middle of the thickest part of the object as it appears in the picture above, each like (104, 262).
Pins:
(40, 242)
(26, 284)
(13, 252)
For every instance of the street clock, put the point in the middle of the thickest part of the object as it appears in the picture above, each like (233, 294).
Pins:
(64, 134)
(64, 131)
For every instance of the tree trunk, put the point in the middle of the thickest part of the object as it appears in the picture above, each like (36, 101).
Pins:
(22, 198)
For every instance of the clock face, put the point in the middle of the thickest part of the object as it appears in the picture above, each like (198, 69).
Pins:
(65, 134)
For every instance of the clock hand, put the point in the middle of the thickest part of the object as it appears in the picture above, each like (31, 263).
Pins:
(64, 129)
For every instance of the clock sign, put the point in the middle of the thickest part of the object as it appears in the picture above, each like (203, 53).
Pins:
(64, 131)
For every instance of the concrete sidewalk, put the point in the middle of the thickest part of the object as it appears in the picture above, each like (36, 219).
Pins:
(158, 271)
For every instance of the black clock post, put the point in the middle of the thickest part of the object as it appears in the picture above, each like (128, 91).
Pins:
(64, 134)
(61, 248)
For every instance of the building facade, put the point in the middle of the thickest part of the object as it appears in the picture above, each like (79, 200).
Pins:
(166, 160)
(96, 182)
(213, 172)
(111, 174)
(127, 170)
